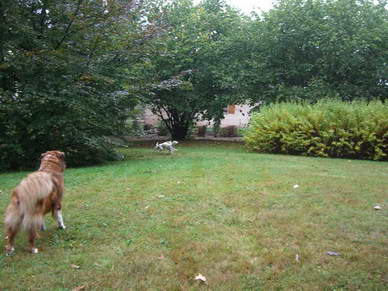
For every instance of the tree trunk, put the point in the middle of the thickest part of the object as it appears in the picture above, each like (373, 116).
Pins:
(179, 131)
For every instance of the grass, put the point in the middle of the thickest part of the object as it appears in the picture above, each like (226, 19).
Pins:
(155, 221)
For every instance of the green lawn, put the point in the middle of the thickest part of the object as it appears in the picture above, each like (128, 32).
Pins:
(154, 221)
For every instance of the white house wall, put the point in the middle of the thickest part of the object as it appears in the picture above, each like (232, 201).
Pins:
(240, 118)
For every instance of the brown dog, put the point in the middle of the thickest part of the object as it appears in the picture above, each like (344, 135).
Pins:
(37, 194)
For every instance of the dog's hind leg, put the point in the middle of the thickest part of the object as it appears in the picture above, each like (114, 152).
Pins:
(32, 234)
(12, 225)
(58, 216)
(33, 222)
(11, 232)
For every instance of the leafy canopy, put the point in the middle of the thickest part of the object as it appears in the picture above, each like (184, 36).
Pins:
(184, 80)
(61, 74)
(309, 49)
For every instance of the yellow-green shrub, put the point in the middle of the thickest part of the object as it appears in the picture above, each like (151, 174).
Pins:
(326, 129)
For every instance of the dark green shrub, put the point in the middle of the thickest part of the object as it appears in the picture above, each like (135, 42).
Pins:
(75, 124)
(228, 131)
(201, 130)
(327, 129)
(63, 88)
(216, 129)
(162, 129)
(133, 126)
(147, 127)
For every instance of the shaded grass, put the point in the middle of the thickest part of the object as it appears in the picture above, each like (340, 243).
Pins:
(154, 221)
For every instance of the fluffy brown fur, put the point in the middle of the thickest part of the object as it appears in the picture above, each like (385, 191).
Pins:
(37, 194)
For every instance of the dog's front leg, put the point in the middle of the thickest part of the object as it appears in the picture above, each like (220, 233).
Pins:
(58, 216)
(43, 226)
(59, 219)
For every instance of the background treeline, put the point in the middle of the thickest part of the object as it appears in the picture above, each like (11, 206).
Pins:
(71, 71)
(306, 49)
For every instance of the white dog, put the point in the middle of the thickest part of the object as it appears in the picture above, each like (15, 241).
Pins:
(168, 145)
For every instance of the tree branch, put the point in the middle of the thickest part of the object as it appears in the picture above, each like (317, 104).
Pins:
(69, 25)
(167, 122)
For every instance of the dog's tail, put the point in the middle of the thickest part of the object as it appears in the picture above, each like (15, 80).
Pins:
(25, 209)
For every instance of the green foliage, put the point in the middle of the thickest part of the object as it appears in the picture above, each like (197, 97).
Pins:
(201, 130)
(183, 68)
(162, 129)
(62, 64)
(326, 129)
(229, 131)
(133, 126)
(311, 48)
(61, 79)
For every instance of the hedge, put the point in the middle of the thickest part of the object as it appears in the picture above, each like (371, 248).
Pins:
(336, 129)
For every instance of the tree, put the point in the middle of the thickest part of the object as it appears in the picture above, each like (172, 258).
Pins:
(183, 80)
(61, 74)
(310, 49)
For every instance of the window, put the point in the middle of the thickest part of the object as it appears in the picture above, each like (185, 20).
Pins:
(231, 109)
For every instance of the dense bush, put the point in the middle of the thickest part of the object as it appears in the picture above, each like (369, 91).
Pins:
(32, 124)
(62, 80)
(326, 129)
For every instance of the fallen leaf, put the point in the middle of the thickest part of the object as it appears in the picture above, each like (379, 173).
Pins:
(201, 278)
(333, 254)
(161, 196)
(161, 257)
(147, 207)
(79, 288)
(296, 186)
(75, 266)
(297, 258)
(377, 207)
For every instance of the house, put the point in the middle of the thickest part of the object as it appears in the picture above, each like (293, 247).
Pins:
(234, 115)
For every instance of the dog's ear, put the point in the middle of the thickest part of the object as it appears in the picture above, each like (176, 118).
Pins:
(43, 155)
(61, 156)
